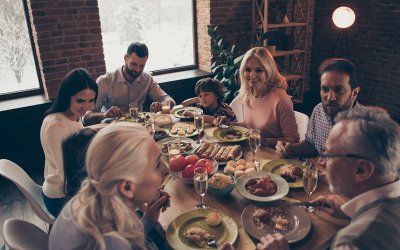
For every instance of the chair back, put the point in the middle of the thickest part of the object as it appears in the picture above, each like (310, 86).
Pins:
(31, 190)
(19, 234)
(237, 108)
(302, 124)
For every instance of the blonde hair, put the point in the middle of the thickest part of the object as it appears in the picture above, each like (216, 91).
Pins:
(117, 152)
(274, 78)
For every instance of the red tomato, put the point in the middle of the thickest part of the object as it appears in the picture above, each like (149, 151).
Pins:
(188, 171)
(205, 163)
(192, 159)
(177, 163)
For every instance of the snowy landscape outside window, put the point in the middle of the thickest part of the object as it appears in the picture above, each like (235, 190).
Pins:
(165, 26)
(18, 71)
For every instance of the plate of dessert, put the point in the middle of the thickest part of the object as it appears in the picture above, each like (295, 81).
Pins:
(289, 169)
(181, 129)
(230, 134)
(293, 222)
(262, 186)
(219, 152)
(178, 112)
(196, 229)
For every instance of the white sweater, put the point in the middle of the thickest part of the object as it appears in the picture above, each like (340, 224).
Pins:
(55, 128)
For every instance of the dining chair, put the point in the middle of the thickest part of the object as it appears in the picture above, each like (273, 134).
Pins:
(31, 190)
(302, 124)
(19, 234)
(237, 108)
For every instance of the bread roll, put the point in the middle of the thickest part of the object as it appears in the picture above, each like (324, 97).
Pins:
(213, 219)
(239, 173)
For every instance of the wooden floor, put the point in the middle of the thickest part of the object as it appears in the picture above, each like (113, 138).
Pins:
(14, 205)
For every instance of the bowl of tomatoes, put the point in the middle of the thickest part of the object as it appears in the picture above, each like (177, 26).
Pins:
(182, 168)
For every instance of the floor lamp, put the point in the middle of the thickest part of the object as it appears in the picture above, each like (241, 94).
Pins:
(343, 17)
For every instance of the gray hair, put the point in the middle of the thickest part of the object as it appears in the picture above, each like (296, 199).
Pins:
(374, 135)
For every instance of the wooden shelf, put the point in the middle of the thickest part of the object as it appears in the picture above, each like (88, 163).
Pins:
(292, 77)
(284, 25)
(279, 53)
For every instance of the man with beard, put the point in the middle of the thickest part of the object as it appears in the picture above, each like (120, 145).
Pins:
(125, 85)
(339, 90)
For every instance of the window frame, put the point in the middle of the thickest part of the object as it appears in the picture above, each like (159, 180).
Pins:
(27, 92)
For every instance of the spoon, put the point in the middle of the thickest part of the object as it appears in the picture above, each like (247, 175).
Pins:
(223, 126)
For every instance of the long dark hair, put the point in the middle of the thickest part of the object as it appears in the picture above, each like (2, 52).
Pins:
(76, 80)
(74, 149)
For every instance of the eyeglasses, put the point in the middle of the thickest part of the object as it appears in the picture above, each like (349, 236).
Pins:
(324, 156)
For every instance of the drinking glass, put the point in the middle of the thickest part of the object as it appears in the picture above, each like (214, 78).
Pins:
(255, 142)
(174, 149)
(165, 107)
(150, 126)
(310, 181)
(200, 185)
(199, 122)
(134, 110)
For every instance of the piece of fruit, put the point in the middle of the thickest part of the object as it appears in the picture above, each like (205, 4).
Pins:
(192, 159)
(188, 171)
(205, 163)
(177, 163)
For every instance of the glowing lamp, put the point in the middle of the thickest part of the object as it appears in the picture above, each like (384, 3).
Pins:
(343, 17)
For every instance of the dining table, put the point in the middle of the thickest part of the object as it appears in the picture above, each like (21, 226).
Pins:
(184, 198)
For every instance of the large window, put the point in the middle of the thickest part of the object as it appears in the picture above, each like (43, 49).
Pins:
(166, 26)
(18, 72)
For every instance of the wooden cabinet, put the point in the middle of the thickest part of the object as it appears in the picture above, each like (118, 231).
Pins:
(284, 23)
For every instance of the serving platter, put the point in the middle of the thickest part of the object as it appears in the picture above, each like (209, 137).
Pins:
(167, 140)
(178, 112)
(220, 162)
(274, 167)
(226, 232)
(282, 186)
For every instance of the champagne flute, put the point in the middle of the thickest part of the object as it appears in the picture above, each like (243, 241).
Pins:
(199, 122)
(310, 181)
(200, 185)
(255, 142)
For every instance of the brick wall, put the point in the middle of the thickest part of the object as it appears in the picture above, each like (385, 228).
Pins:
(374, 45)
(68, 34)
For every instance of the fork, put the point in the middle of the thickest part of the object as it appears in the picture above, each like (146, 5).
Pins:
(212, 243)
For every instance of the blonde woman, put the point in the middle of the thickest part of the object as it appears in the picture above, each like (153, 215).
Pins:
(124, 173)
(263, 100)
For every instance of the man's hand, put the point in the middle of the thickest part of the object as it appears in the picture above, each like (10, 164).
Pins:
(331, 205)
(284, 149)
(113, 112)
(152, 209)
(273, 242)
(155, 107)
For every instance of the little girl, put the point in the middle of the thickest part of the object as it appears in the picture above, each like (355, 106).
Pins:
(210, 98)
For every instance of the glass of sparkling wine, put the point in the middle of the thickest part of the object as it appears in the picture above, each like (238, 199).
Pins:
(134, 110)
(255, 142)
(310, 181)
(200, 184)
(199, 122)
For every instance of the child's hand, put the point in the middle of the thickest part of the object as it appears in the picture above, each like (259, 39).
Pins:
(189, 113)
(220, 120)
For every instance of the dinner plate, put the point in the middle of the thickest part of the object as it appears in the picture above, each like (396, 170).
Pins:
(282, 186)
(238, 156)
(298, 228)
(167, 128)
(226, 232)
(129, 119)
(170, 139)
(178, 112)
(219, 133)
(274, 167)
(178, 174)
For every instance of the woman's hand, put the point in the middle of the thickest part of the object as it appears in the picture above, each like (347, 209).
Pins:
(273, 242)
(152, 209)
(331, 205)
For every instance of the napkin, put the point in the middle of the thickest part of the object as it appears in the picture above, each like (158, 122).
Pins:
(245, 243)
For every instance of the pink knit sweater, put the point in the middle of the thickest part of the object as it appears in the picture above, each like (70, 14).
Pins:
(273, 114)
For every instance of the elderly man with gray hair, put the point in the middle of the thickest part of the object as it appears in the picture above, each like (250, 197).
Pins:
(362, 160)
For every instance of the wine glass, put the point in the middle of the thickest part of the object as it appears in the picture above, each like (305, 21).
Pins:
(255, 142)
(310, 181)
(200, 184)
(199, 122)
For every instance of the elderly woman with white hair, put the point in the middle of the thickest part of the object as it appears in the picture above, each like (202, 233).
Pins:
(263, 100)
(124, 173)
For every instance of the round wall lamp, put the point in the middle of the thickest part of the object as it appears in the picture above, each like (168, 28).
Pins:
(343, 17)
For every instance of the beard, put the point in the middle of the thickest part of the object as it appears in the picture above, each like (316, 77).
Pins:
(134, 74)
(333, 108)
